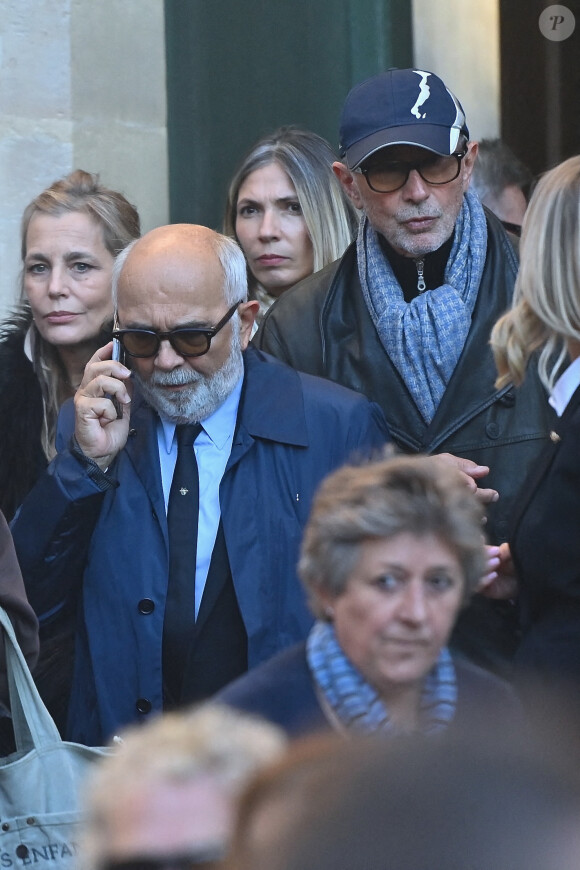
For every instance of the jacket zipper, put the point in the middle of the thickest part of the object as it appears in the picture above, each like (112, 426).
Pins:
(421, 286)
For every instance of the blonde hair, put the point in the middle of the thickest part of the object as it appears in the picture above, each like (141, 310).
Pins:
(79, 191)
(545, 313)
(307, 159)
(180, 747)
(82, 191)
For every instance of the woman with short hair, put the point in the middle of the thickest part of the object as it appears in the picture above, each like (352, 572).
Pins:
(288, 211)
(391, 552)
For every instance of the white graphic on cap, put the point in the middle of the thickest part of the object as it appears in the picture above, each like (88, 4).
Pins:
(424, 93)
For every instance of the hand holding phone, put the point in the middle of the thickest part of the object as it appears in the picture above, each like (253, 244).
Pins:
(101, 418)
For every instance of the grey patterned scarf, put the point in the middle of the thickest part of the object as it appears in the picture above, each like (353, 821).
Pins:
(357, 705)
(424, 338)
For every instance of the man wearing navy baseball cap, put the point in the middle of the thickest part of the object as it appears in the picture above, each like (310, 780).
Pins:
(405, 315)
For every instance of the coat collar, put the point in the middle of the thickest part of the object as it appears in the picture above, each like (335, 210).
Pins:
(272, 403)
(271, 408)
(142, 450)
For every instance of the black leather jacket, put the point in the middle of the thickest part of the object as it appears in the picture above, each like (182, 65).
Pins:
(322, 326)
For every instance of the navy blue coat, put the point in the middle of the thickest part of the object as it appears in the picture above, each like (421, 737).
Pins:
(283, 692)
(111, 549)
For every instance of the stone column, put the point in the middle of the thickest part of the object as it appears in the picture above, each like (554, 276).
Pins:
(82, 84)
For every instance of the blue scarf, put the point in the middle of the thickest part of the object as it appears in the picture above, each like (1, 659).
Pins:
(424, 338)
(357, 705)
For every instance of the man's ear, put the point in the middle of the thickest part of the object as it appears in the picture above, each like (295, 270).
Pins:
(348, 181)
(247, 312)
(468, 163)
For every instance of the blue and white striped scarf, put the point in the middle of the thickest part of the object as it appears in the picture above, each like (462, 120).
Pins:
(357, 705)
(424, 338)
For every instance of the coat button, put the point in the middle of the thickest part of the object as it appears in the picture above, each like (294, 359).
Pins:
(508, 399)
(143, 705)
(492, 430)
(146, 606)
(554, 437)
(22, 851)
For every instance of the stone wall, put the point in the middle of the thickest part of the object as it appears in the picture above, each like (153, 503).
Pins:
(460, 42)
(82, 84)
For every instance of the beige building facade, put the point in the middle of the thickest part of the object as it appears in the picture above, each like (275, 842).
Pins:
(82, 84)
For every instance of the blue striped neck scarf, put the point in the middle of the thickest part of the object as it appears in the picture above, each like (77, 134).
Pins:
(357, 705)
(424, 338)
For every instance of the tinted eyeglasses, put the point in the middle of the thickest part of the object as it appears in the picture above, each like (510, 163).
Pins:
(185, 340)
(203, 859)
(386, 176)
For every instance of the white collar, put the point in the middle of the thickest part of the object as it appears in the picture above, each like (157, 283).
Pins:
(565, 387)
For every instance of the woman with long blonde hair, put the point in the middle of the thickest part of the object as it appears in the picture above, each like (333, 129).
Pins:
(545, 322)
(287, 211)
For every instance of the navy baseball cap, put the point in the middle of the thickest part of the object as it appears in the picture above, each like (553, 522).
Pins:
(400, 107)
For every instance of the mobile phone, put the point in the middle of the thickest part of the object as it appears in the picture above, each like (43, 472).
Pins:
(118, 355)
(118, 352)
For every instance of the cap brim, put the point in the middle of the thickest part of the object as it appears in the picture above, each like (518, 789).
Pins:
(433, 137)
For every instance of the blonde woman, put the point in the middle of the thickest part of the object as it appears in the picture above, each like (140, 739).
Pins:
(288, 212)
(545, 318)
(70, 236)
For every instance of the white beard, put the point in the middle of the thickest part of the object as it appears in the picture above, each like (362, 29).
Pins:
(203, 396)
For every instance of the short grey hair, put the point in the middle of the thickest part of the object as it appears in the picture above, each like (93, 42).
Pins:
(120, 261)
(380, 500)
(232, 261)
(496, 168)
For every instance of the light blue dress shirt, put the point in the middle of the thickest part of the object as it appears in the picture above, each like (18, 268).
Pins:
(212, 450)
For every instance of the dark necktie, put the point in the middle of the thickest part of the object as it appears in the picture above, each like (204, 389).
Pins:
(182, 518)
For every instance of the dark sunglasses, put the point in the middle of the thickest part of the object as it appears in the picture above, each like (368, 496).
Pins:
(186, 340)
(384, 176)
(204, 859)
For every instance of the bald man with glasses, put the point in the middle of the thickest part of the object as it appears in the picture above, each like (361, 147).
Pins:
(169, 522)
(406, 314)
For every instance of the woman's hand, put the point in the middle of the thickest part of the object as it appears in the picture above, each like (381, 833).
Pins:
(501, 582)
(99, 432)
